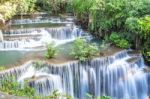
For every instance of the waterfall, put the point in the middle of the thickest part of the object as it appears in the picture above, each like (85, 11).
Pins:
(24, 39)
(42, 20)
(113, 76)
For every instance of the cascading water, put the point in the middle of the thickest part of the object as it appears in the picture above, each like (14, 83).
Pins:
(113, 76)
(42, 20)
(36, 38)
(23, 39)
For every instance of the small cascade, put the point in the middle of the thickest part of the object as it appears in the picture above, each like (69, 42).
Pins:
(16, 72)
(42, 20)
(1, 36)
(113, 76)
(44, 85)
(24, 39)
(60, 33)
(148, 77)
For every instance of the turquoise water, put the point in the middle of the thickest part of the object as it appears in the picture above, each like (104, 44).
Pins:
(10, 57)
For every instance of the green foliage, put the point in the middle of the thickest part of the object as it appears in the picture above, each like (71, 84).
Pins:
(82, 50)
(111, 15)
(99, 97)
(81, 7)
(55, 95)
(2, 68)
(54, 6)
(114, 37)
(103, 97)
(51, 51)
(146, 49)
(123, 44)
(119, 41)
(14, 88)
(43, 5)
(38, 65)
(9, 8)
(144, 24)
(132, 25)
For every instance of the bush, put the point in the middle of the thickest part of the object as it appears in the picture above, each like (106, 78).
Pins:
(82, 50)
(123, 43)
(14, 88)
(51, 51)
(146, 49)
(99, 97)
(2, 68)
(119, 41)
(114, 37)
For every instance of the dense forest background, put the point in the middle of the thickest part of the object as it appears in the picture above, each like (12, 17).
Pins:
(124, 23)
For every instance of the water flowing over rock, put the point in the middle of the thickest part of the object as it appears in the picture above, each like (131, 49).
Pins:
(36, 38)
(22, 39)
(43, 20)
(113, 76)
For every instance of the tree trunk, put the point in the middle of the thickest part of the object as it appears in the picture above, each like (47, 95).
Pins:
(137, 42)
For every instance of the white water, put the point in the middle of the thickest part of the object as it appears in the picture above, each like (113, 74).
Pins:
(112, 76)
(30, 39)
(42, 20)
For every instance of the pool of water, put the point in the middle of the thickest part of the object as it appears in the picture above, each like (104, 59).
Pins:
(18, 57)
(14, 57)
(10, 57)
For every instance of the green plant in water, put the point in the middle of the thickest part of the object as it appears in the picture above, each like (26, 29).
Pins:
(82, 50)
(51, 51)
(38, 65)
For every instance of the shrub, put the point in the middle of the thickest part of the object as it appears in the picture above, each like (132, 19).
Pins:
(114, 37)
(146, 49)
(2, 68)
(119, 41)
(82, 50)
(123, 43)
(99, 97)
(51, 51)
(14, 88)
